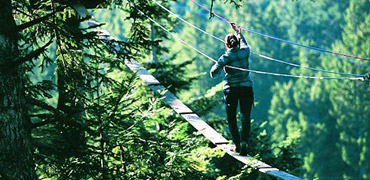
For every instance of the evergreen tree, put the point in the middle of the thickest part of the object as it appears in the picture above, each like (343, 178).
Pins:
(77, 136)
(328, 113)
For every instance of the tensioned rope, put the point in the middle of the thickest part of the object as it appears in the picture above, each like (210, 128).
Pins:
(349, 60)
(283, 40)
(260, 55)
(242, 69)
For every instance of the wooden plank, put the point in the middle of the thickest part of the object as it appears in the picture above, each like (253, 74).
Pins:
(142, 73)
(261, 166)
(214, 136)
(205, 129)
(148, 78)
(159, 89)
(283, 175)
(176, 104)
(171, 100)
(133, 65)
(195, 121)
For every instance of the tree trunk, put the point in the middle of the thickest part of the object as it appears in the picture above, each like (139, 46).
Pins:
(153, 58)
(16, 160)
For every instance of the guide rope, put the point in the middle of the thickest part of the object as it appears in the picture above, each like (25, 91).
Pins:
(242, 69)
(260, 55)
(283, 40)
(352, 61)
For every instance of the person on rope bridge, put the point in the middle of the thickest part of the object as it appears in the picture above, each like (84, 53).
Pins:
(238, 87)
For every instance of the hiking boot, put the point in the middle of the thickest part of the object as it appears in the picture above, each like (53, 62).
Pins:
(243, 149)
(236, 149)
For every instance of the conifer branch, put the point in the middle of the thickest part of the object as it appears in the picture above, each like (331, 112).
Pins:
(30, 55)
(45, 106)
(37, 20)
(42, 123)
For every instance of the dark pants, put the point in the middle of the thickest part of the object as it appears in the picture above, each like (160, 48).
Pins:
(243, 95)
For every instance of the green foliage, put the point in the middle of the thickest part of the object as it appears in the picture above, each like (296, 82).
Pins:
(173, 75)
(329, 114)
(91, 119)
(283, 156)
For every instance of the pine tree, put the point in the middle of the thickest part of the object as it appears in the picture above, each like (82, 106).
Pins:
(328, 113)
(75, 137)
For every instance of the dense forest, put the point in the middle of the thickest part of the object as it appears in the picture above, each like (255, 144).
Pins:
(330, 116)
(71, 109)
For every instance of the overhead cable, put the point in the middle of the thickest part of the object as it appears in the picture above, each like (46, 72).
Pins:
(284, 40)
(242, 69)
(260, 55)
(352, 61)
(195, 27)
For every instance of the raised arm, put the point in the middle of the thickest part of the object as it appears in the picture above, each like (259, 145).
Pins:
(239, 35)
(243, 42)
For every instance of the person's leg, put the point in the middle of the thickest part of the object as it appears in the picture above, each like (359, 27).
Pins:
(231, 102)
(246, 102)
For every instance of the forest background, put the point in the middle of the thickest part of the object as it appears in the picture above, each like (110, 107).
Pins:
(331, 116)
(89, 117)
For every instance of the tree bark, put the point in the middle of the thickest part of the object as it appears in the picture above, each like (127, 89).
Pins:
(16, 161)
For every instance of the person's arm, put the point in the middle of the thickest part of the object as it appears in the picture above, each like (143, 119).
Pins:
(217, 67)
(239, 35)
(243, 42)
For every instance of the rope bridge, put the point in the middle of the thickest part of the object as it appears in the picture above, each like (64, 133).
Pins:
(200, 125)
(211, 134)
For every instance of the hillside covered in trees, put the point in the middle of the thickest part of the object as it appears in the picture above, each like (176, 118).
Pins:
(71, 109)
(331, 116)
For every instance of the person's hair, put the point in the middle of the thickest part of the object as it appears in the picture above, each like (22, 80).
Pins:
(231, 40)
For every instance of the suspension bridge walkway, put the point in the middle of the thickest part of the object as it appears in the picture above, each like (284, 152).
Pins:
(191, 117)
(208, 132)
